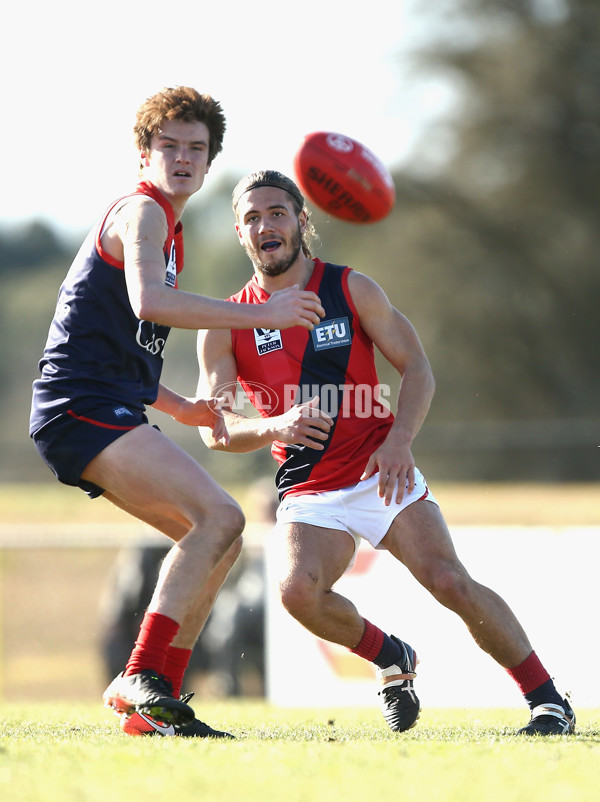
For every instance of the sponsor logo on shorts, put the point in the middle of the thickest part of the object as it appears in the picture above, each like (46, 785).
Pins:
(332, 334)
(121, 411)
(267, 340)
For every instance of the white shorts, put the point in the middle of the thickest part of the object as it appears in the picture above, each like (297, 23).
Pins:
(357, 510)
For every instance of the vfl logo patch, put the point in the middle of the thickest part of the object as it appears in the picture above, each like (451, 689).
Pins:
(267, 340)
(332, 334)
(171, 274)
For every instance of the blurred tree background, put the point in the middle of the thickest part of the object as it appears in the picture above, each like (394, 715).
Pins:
(491, 251)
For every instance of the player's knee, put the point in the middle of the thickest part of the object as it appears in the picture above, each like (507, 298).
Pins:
(232, 522)
(450, 586)
(223, 524)
(299, 596)
(234, 550)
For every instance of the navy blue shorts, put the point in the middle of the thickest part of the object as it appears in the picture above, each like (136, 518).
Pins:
(69, 442)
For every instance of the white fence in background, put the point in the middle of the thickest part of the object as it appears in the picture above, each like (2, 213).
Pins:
(549, 577)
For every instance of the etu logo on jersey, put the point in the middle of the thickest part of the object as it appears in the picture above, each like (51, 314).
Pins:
(332, 334)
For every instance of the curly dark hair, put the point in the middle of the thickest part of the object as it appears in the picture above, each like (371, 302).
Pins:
(180, 103)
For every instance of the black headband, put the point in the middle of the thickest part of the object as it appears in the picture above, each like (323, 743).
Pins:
(272, 183)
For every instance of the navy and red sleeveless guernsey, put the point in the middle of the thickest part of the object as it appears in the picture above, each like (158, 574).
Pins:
(97, 348)
(334, 361)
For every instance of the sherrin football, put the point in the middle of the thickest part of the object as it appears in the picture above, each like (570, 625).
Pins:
(344, 178)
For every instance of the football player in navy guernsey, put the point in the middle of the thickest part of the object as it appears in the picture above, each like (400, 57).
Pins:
(346, 468)
(101, 369)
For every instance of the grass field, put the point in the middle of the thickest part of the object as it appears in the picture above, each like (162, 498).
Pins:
(78, 755)
(74, 752)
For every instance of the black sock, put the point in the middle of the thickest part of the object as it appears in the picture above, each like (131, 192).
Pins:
(390, 653)
(545, 694)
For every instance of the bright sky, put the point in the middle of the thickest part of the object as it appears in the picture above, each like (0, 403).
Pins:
(75, 73)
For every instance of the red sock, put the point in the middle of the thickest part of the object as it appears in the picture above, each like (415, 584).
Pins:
(370, 644)
(150, 651)
(529, 674)
(175, 666)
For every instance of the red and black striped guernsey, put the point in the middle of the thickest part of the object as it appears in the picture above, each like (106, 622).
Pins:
(334, 361)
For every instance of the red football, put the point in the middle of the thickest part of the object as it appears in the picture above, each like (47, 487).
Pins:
(344, 178)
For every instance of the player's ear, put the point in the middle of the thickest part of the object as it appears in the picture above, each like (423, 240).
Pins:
(302, 220)
(239, 233)
(144, 160)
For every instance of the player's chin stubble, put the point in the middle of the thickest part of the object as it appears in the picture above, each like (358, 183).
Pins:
(280, 266)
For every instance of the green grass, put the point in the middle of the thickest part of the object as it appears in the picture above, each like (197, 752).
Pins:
(79, 755)
(59, 753)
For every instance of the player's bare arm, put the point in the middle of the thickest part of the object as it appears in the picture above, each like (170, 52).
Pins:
(141, 227)
(302, 424)
(396, 338)
(204, 412)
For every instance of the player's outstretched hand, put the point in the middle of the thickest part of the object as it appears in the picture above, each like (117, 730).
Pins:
(305, 424)
(293, 307)
(205, 412)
